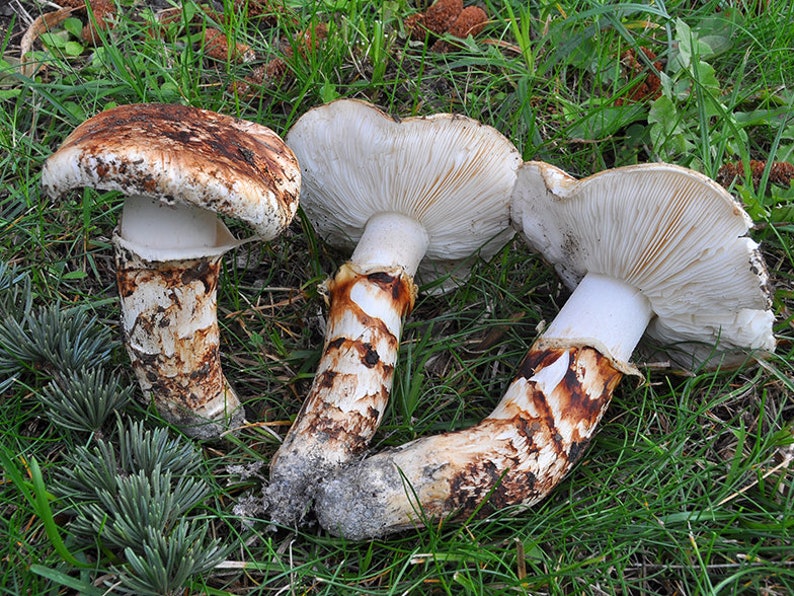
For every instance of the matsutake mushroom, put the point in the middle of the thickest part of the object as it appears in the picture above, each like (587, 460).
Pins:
(432, 190)
(177, 167)
(653, 249)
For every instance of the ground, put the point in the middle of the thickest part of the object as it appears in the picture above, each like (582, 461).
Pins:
(17, 15)
(13, 21)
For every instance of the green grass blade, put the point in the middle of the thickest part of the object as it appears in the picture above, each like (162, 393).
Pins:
(67, 581)
(38, 497)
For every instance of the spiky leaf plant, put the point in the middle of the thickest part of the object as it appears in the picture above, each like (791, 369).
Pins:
(167, 563)
(135, 449)
(67, 339)
(53, 340)
(140, 502)
(12, 358)
(87, 471)
(83, 401)
(16, 300)
(145, 449)
(134, 497)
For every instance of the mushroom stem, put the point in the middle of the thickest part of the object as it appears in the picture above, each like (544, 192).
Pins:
(368, 300)
(169, 317)
(528, 443)
(391, 240)
(604, 312)
(514, 457)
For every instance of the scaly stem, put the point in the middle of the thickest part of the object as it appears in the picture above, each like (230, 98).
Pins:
(369, 298)
(516, 456)
(519, 453)
(167, 270)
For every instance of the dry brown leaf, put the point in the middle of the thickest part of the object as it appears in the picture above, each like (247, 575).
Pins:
(41, 25)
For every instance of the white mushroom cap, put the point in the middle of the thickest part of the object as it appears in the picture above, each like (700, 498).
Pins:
(451, 174)
(182, 155)
(672, 233)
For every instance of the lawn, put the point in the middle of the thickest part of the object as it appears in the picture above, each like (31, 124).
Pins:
(688, 485)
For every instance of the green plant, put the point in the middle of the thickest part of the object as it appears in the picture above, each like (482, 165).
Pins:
(54, 341)
(136, 499)
(83, 400)
(162, 565)
(691, 99)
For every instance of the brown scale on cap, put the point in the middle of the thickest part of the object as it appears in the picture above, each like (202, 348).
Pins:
(350, 390)
(125, 149)
(172, 128)
(516, 456)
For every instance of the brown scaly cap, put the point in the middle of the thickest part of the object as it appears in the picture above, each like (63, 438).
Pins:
(181, 154)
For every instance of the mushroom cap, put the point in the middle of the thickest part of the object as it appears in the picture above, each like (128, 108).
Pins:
(182, 154)
(674, 234)
(452, 174)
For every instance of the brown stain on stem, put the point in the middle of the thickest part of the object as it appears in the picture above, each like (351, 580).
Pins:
(579, 402)
(373, 354)
(180, 368)
(350, 390)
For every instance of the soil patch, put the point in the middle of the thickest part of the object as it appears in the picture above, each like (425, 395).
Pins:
(15, 18)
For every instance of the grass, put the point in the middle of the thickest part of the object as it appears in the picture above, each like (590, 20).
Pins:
(686, 489)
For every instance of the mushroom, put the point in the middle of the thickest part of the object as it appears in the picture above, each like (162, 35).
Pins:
(434, 190)
(654, 249)
(177, 167)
